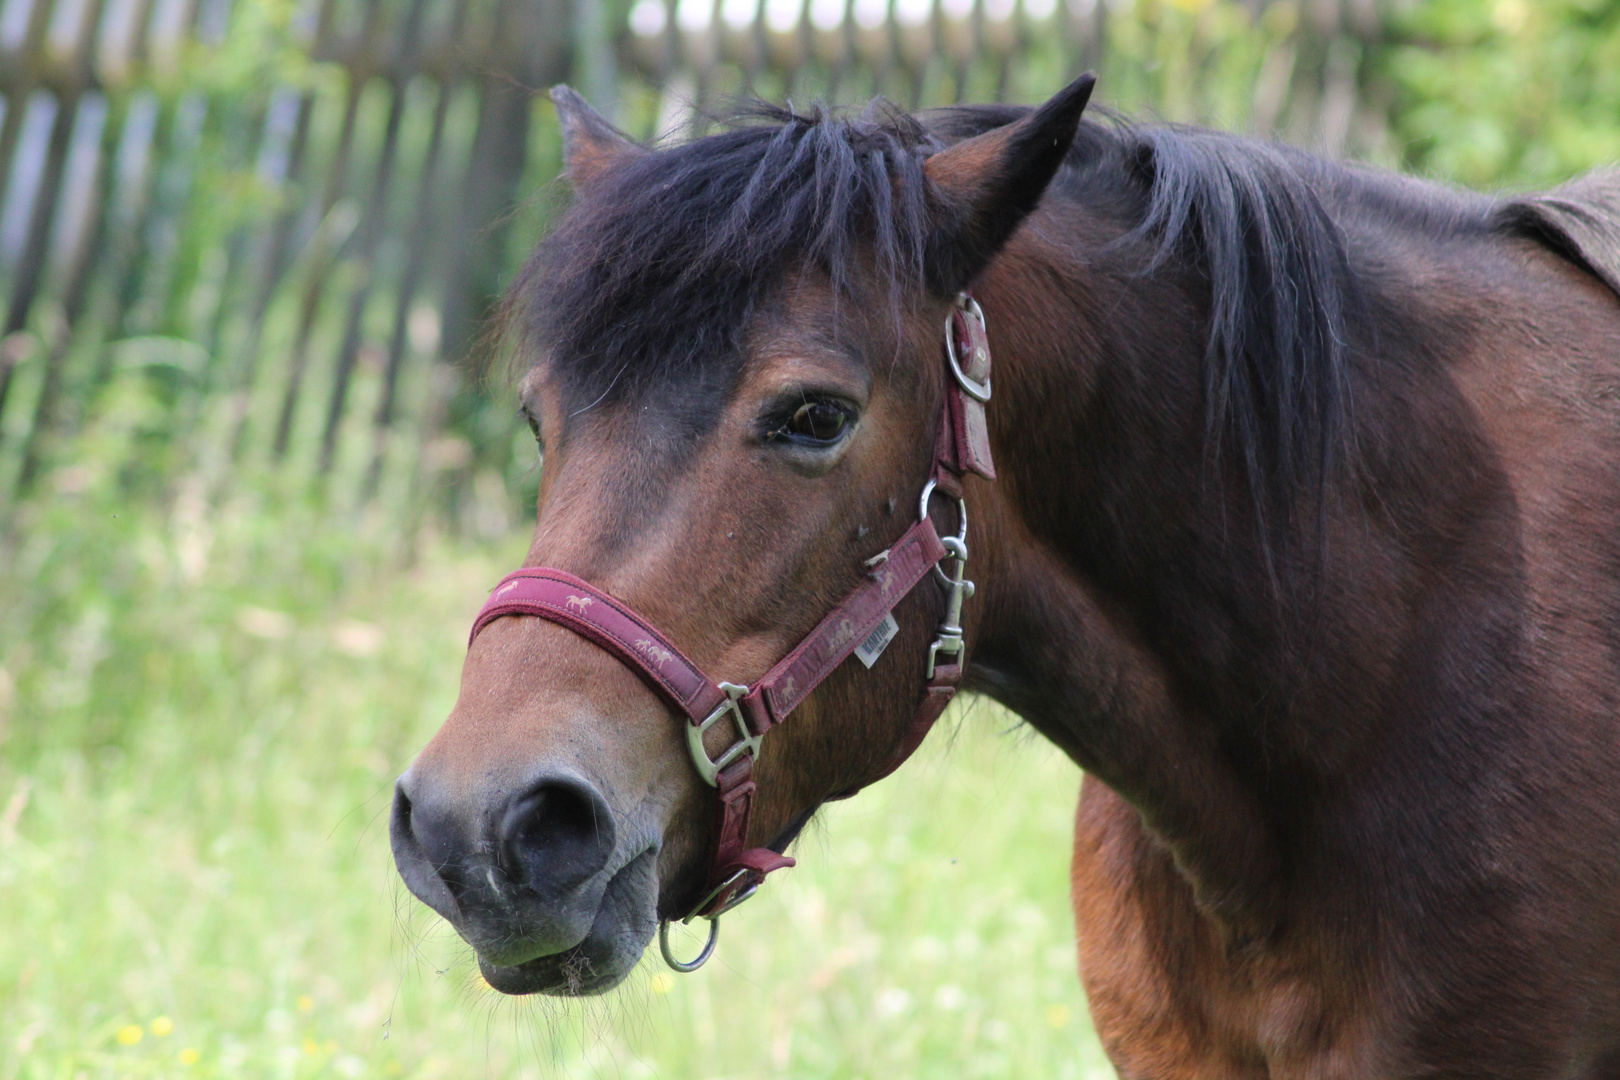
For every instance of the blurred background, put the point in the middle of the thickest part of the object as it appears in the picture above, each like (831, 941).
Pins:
(255, 478)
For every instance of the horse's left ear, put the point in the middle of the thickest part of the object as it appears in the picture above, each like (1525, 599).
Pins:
(985, 186)
(591, 145)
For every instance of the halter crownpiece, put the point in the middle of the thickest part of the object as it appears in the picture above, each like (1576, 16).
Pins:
(961, 445)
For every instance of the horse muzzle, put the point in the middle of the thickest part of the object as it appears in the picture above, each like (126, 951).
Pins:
(535, 876)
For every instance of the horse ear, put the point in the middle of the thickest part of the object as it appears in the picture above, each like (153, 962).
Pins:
(985, 186)
(591, 145)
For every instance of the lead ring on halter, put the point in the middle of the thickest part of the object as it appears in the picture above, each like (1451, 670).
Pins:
(686, 967)
(864, 616)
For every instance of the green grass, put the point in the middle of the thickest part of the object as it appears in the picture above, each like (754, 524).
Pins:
(199, 739)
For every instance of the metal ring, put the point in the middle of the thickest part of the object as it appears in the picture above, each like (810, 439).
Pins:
(979, 391)
(702, 958)
(961, 509)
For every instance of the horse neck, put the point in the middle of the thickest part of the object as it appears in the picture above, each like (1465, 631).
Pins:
(1134, 610)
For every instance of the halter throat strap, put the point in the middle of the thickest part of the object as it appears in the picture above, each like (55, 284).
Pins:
(961, 445)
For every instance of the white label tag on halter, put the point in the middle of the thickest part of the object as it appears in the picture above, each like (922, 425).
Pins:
(878, 640)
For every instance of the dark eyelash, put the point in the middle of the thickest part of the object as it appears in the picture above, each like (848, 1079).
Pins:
(534, 423)
(782, 428)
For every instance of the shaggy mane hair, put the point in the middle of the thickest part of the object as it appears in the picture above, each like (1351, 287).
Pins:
(652, 275)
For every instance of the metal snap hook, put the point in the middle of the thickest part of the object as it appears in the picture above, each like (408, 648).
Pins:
(686, 967)
(957, 587)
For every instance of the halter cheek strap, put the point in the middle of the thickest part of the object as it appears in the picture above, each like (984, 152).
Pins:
(962, 445)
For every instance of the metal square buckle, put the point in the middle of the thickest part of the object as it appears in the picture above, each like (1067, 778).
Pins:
(748, 742)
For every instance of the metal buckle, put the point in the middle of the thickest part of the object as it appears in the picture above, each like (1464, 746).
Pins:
(742, 894)
(958, 588)
(978, 391)
(748, 742)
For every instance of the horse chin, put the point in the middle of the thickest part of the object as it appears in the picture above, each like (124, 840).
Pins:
(623, 928)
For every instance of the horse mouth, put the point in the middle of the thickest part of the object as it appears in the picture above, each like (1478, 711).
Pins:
(569, 974)
(622, 930)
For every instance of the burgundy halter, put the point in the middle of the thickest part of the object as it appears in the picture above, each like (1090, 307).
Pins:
(860, 624)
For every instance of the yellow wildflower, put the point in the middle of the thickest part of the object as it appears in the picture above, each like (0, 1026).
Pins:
(130, 1034)
(189, 1056)
(162, 1026)
(1058, 1016)
(662, 982)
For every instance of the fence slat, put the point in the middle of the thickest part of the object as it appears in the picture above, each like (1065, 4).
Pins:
(370, 235)
(19, 77)
(80, 265)
(310, 305)
(287, 305)
(415, 265)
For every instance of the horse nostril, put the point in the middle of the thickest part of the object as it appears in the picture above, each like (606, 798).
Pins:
(557, 835)
(422, 870)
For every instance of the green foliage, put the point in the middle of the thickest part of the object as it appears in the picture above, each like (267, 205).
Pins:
(1192, 61)
(1518, 93)
(118, 608)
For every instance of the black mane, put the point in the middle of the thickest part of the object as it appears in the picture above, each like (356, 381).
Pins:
(1277, 369)
(655, 272)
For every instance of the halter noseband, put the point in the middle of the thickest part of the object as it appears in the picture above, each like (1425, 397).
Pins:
(860, 624)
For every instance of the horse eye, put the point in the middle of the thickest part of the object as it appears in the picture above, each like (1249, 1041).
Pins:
(818, 421)
(533, 421)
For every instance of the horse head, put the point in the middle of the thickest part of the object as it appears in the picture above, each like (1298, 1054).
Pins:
(736, 367)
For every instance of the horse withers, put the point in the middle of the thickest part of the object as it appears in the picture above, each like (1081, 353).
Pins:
(1294, 519)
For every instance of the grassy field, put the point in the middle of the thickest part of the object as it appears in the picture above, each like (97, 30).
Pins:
(202, 715)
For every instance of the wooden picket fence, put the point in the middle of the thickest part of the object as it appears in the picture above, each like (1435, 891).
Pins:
(256, 241)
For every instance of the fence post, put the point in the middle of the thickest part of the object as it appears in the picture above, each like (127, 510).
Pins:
(370, 234)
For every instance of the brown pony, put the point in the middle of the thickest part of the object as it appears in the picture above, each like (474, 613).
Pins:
(1305, 546)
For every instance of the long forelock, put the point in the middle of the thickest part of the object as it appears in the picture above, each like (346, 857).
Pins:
(655, 271)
